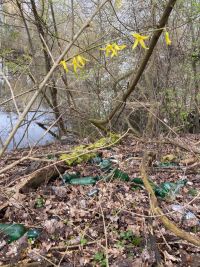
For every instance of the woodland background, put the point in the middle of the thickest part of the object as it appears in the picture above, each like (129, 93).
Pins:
(166, 98)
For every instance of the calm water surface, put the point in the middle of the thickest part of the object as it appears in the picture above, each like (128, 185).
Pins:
(29, 132)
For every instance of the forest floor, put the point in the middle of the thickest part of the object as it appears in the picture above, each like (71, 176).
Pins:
(111, 221)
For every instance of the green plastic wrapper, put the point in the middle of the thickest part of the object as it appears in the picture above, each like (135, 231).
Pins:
(93, 192)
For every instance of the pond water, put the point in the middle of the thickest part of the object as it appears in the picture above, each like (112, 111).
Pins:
(29, 132)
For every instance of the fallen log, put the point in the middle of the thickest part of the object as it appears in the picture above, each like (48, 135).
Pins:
(33, 180)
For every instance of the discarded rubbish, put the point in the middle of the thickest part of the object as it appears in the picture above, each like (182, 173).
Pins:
(12, 231)
(67, 176)
(33, 233)
(137, 181)
(121, 175)
(166, 165)
(15, 231)
(89, 180)
(165, 189)
(189, 216)
(169, 189)
(105, 165)
(75, 179)
(93, 192)
(186, 214)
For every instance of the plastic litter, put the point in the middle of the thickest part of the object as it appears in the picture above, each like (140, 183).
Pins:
(178, 208)
(186, 215)
(189, 216)
(93, 192)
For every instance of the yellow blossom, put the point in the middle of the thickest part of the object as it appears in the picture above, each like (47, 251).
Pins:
(113, 49)
(118, 3)
(167, 39)
(78, 62)
(64, 64)
(139, 39)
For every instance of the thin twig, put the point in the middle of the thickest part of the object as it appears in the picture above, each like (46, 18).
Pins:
(106, 237)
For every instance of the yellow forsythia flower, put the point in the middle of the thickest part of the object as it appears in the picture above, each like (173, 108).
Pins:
(64, 64)
(78, 62)
(139, 39)
(118, 3)
(113, 49)
(167, 39)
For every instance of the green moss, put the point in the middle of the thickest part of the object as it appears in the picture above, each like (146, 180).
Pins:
(82, 153)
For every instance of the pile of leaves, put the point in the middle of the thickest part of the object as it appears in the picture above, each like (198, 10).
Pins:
(110, 221)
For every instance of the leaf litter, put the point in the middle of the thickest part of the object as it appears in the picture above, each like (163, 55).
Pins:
(70, 217)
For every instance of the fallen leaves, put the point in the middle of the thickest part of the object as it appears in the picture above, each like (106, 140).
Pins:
(71, 220)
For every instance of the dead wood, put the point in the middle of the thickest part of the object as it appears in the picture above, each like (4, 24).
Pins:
(153, 244)
(188, 147)
(156, 209)
(34, 180)
(26, 264)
